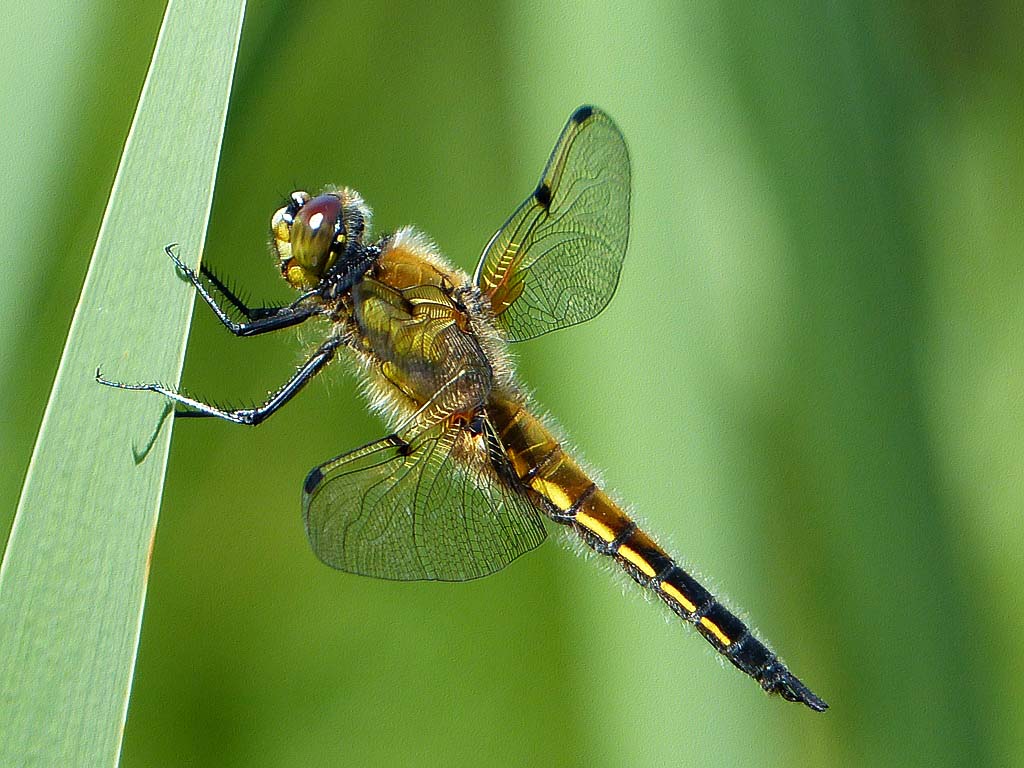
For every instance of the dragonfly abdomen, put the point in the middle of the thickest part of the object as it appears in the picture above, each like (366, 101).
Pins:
(570, 497)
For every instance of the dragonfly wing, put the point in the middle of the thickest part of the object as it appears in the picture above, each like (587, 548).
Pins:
(431, 507)
(556, 261)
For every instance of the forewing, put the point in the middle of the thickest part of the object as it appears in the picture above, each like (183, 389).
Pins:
(431, 508)
(556, 261)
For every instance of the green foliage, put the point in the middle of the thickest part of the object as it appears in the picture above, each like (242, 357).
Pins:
(807, 384)
(74, 574)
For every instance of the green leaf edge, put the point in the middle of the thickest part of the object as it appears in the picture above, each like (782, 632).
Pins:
(73, 579)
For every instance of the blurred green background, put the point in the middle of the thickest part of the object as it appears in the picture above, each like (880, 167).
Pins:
(808, 383)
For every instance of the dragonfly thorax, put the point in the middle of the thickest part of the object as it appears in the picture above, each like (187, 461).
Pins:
(314, 237)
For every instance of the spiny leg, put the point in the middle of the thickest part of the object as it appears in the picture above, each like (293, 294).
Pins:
(250, 313)
(248, 416)
(261, 319)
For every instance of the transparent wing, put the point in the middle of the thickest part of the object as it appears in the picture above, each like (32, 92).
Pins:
(556, 261)
(431, 508)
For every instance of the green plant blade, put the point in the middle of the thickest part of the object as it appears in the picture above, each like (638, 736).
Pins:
(73, 579)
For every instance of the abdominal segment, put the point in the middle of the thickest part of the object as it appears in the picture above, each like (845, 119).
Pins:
(567, 494)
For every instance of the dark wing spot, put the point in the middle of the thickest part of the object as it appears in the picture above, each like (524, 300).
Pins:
(543, 196)
(581, 114)
(312, 480)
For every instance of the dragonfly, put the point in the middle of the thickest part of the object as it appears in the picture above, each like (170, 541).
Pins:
(464, 482)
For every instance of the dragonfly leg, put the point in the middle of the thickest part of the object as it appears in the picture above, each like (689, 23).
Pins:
(192, 408)
(260, 319)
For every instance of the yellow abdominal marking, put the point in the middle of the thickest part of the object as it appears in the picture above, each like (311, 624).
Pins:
(676, 595)
(713, 629)
(595, 526)
(632, 556)
(552, 492)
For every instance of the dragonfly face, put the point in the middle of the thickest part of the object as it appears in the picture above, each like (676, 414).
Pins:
(461, 486)
(312, 236)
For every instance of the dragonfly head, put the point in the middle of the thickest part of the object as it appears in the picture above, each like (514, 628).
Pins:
(313, 234)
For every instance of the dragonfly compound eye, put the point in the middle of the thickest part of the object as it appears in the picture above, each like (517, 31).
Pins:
(310, 236)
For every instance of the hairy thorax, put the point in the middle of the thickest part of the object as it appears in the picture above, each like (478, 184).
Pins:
(424, 334)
